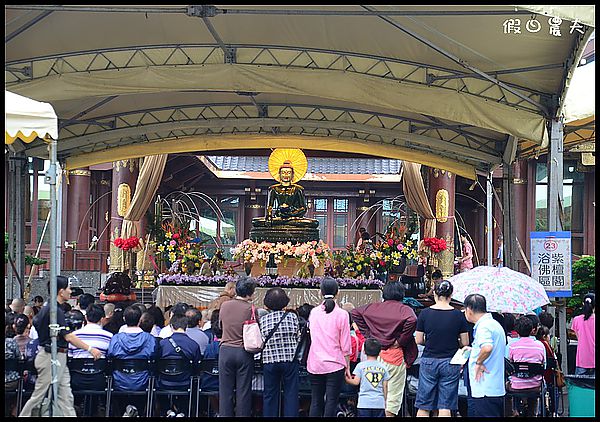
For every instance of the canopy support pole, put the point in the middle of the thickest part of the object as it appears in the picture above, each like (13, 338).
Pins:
(489, 216)
(16, 223)
(509, 218)
(51, 180)
(555, 206)
(19, 204)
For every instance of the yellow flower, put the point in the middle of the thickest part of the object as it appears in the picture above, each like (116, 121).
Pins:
(170, 248)
(197, 264)
(168, 234)
(359, 267)
(409, 243)
(161, 248)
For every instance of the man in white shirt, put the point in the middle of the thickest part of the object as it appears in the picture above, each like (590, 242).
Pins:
(92, 333)
(178, 309)
(486, 360)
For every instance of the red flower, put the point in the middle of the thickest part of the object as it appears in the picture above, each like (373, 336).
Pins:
(382, 262)
(390, 242)
(127, 244)
(176, 236)
(436, 245)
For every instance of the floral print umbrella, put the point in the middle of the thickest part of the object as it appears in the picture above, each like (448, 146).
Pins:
(504, 290)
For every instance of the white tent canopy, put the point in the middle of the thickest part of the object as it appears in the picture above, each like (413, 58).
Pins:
(580, 102)
(27, 119)
(440, 85)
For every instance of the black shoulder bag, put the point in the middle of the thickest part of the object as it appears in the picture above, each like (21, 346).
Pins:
(178, 349)
(274, 329)
(303, 345)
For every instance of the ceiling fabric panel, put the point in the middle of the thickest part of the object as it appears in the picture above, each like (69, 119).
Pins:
(427, 81)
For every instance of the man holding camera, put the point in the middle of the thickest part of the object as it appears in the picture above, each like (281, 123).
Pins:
(42, 361)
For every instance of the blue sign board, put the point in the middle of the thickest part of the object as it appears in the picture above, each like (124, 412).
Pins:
(551, 262)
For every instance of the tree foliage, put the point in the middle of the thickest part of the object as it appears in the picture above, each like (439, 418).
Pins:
(584, 281)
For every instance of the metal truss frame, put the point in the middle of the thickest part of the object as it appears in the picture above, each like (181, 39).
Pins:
(427, 134)
(473, 83)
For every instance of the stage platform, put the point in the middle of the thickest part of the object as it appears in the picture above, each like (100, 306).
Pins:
(201, 296)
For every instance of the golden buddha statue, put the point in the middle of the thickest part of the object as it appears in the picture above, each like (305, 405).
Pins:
(286, 203)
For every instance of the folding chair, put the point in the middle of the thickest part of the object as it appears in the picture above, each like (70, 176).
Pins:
(169, 371)
(130, 366)
(89, 372)
(208, 382)
(18, 366)
(29, 366)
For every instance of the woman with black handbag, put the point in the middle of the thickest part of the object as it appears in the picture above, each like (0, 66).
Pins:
(280, 368)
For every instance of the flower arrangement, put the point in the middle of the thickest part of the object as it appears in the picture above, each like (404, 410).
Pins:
(435, 244)
(176, 248)
(127, 244)
(392, 249)
(250, 252)
(266, 281)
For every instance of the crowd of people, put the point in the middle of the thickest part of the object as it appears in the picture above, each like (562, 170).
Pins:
(365, 351)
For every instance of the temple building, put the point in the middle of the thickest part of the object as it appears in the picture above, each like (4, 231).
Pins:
(343, 193)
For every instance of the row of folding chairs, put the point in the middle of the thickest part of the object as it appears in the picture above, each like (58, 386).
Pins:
(163, 368)
(521, 370)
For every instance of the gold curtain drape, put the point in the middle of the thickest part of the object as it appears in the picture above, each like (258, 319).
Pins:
(416, 197)
(146, 186)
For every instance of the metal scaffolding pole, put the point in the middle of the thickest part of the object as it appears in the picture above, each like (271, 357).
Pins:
(555, 206)
(51, 180)
(489, 224)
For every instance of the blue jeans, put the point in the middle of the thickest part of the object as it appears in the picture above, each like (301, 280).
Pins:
(438, 384)
(370, 413)
(276, 375)
(584, 371)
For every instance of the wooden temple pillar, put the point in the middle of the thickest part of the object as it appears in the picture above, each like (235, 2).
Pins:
(104, 210)
(441, 193)
(252, 209)
(78, 217)
(519, 188)
(124, 176)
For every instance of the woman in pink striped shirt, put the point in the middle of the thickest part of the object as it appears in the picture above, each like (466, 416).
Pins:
(329, 356)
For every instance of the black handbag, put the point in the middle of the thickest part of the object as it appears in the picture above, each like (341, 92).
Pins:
(303, 347)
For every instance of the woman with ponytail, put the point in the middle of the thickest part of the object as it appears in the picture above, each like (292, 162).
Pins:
(585, 328)
(439, 328)
(328, 359)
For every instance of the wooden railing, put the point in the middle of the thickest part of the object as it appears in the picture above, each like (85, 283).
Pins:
(73, 260)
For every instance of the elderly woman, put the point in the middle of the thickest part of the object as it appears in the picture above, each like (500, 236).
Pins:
(279, 366)
(236, 365)
(228, 293)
